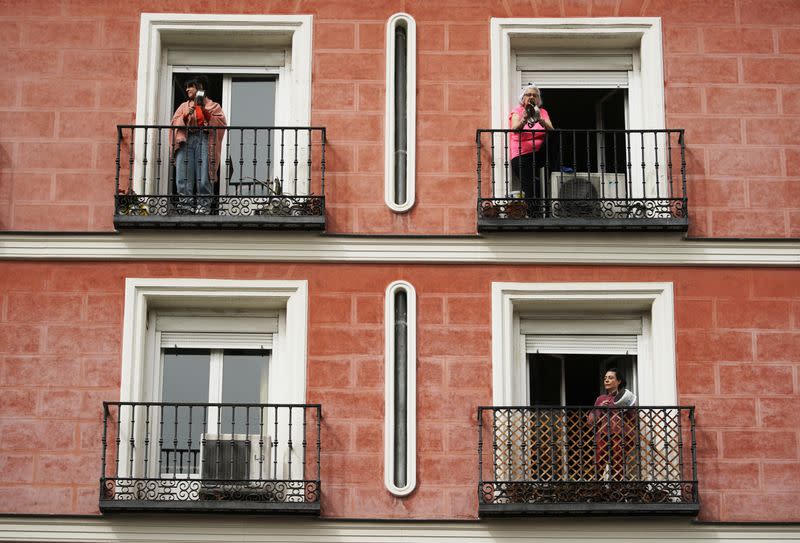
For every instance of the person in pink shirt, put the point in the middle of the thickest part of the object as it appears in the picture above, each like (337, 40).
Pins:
(526, 148)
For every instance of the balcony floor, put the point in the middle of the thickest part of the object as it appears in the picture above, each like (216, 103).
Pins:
(498, 498)
(220, 222)
(247, 496)
(598, 225)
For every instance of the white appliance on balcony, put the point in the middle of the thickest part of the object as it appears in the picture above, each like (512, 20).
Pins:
(235, 457)
(590, 190)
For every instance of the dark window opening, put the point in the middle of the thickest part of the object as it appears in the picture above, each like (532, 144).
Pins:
(574, 379)
(214, 90)
(593, 109)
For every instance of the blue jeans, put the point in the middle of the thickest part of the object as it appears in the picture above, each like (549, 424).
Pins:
(191, 171)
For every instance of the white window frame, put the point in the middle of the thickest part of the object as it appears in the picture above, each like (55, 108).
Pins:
(411, 112)
(610, 334)
(656, 373)
(232, 331)
(642, 35)
(157, 29)
(216, 365)
(411, 389)
(228, 73)
(141, 350)
(289, 298)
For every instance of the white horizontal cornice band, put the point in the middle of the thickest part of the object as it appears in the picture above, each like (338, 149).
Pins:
(586, 248)
(213, 528)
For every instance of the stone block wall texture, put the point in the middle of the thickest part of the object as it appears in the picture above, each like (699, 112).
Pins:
(732, 80)
(738, 361)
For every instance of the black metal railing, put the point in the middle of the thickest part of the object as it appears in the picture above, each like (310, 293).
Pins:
(581, 179)
(564, 460)
(264, 176)
(187, 456)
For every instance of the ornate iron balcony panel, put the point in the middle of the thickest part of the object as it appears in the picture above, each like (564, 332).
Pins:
(234, 177)
(211, 457)
(581, 180)
(587, 460)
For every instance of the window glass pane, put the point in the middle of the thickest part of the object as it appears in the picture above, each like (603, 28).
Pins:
(244, 381)
(251, 151)
(185, 380)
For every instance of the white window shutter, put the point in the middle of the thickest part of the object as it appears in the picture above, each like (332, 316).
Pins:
(578, 61)
(226, 57)
(583, 70)
(576, 80)
(217, 332)
(601, 335)
(215, 340)
(581, 344)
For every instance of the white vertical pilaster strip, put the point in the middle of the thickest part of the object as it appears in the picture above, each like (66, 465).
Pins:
(411, 389)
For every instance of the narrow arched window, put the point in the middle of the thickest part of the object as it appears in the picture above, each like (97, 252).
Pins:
(401, 90)
(400, 439)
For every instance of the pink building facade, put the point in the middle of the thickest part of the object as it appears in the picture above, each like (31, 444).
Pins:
(375, 325)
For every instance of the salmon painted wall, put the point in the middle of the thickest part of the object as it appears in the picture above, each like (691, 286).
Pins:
(738, 349)
(732, 71)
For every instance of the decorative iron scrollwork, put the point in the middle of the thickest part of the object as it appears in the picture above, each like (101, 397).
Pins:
(632, 492)
(556, 455)
(194, 490)
(222, 206)
(596, 209)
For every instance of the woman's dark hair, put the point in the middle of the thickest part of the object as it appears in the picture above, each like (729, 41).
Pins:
(196, 81)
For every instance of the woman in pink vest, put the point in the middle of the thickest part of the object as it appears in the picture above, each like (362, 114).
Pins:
(526, 149)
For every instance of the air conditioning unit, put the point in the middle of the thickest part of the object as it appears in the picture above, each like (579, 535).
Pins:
(235, 457)
(592, 193)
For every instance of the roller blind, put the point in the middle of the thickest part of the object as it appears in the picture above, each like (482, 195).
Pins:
(217, 332)
(580, 344)
(606, 335)
(575, 70)
(207, 57)
(601, 61)
(220, 340)
(576, 80)
(602, 326)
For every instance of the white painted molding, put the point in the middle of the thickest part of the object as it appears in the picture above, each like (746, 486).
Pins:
(411, 113)
(411, 390)
(158, 31)
(288, 367)
(646, 31)
(541, 248)
(656, 368)
(153, 25)
(133, 528)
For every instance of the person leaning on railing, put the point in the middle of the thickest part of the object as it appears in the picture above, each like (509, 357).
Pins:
(197, 149)
(614, 429)
(528, 115)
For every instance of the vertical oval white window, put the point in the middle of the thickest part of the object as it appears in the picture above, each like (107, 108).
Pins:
(400, 431)
(401, 106)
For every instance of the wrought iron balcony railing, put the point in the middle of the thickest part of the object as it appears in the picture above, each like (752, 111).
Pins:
(586, 460)
(213, 457)
(582, 180)
(258, 177)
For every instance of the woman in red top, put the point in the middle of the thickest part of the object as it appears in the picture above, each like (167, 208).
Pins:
(197, 148)
(526, 147)
(614, 429)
